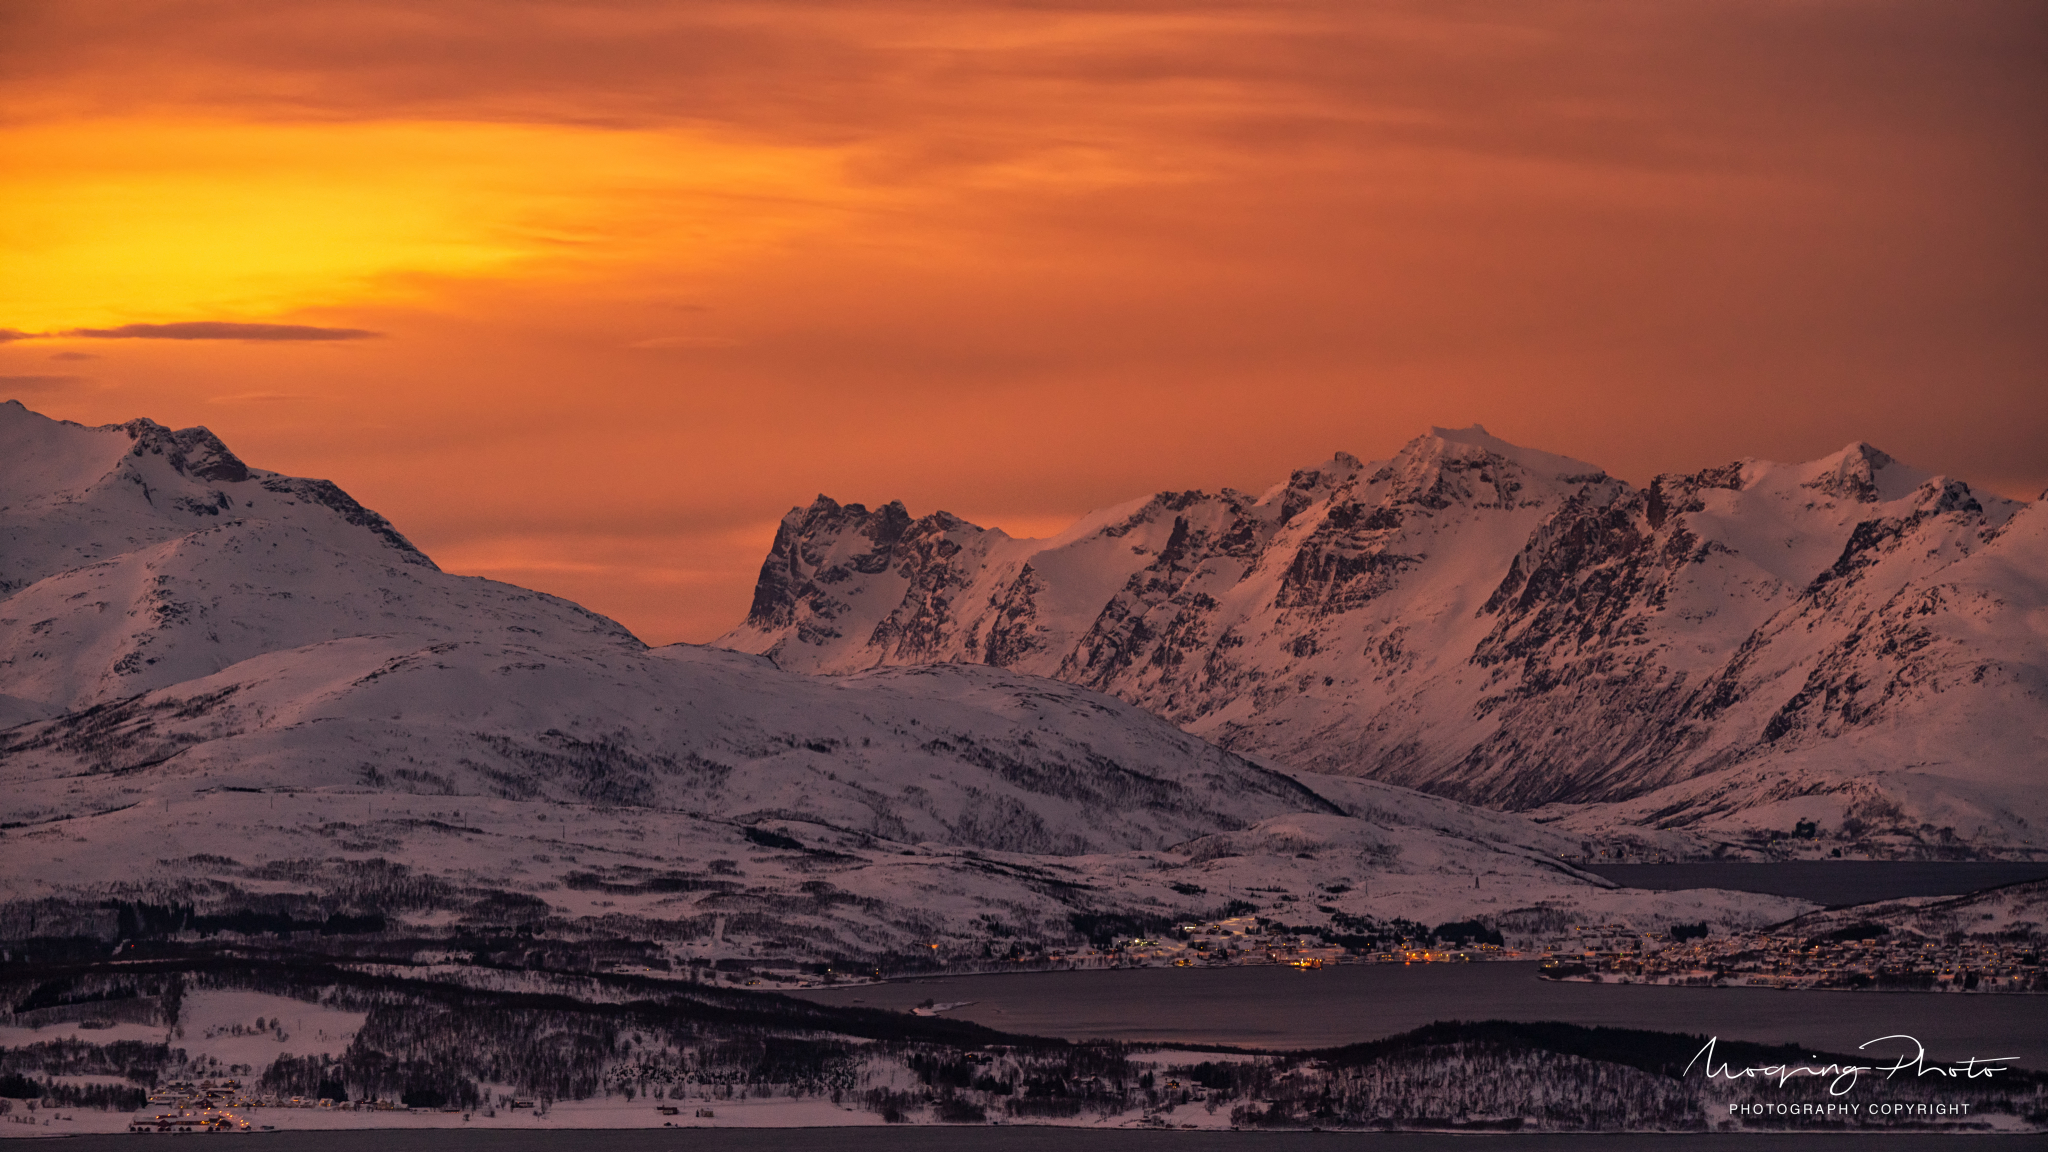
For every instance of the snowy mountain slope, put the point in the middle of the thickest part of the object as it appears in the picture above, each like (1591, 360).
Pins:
(779, 892)
(1630, 654)
(1896, 703)
(72, 495)
(244, 691)
(1502, 626)
(2006, 913)
(709, 803)
(972, 757)
(712, 801)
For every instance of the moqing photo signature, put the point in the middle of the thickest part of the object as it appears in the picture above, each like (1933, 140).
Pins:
(1843, 1076)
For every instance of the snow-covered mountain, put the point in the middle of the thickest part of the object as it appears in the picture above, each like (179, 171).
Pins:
(1848, 641)
(135, 557)
(244, 690)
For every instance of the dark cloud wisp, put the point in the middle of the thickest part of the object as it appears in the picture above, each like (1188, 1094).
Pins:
(38, 383)
(220, 330)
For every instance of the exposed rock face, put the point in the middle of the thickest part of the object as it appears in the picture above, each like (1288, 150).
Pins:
(1504, 626)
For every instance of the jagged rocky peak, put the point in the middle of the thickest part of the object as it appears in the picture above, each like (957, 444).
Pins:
(1305, 488)
(1861, 473)
(194, 452)
(1340, 469)
(826, 520)
(1674, 493)
(1941, 494)
(1472, 466)
(1858, 474)
(827, 551)
(844, 529)
(56, 457)
(68, 487)
(1476, 444)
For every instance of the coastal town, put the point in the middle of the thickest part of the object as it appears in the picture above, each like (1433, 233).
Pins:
(1249, 939)
(1862, 957)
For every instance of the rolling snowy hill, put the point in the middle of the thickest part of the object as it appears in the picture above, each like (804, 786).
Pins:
(1729, 654)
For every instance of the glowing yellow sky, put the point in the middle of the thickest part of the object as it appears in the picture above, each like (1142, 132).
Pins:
(140, 219)
(645, 274)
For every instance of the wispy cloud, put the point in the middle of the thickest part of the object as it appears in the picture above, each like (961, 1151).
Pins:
(220, 330)
(253, 397)
(7, 334)
(686, 342)
(38, 383)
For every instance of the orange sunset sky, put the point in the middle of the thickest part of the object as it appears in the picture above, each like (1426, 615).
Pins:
(585, 295)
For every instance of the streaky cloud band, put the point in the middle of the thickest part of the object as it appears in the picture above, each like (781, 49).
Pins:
(220, 330)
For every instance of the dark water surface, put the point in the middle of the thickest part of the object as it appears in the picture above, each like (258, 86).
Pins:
(1831, 882)
(1050, 1139)
(1273, 1006)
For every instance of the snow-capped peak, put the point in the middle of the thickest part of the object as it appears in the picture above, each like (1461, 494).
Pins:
(1546, 464)
(1861, 473)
